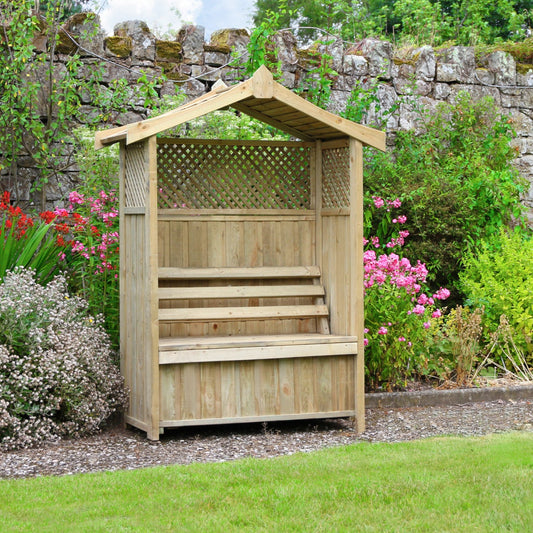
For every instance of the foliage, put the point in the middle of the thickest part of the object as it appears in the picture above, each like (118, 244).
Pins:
(466, 22)
(41, 97)
(456, 181)
(26, 242)
(466, 484)
(57, 377)
(457, 346)
(88, 229)
(499, 276)
(398, 312)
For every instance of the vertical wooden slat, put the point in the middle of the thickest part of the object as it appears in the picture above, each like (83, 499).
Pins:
(357, 274)
(316, 179)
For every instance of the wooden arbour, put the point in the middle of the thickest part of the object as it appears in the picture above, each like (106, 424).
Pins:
(241, 269)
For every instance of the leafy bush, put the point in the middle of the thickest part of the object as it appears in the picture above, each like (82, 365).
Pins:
(456, 181)
(57, 375)
(26, 242)
(398, 310)
(499, 277)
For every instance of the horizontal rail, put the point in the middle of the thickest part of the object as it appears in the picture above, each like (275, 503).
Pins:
(241, 341)
(240, 291)
(214, 314)
(239, 272)
(213, 354)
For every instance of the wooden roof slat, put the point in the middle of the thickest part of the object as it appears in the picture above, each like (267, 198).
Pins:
(273, 122)
(260, 97)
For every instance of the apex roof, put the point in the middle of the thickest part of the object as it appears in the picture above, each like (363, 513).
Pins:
(260, 97)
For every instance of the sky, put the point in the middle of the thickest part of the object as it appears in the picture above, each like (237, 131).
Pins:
(161, 15)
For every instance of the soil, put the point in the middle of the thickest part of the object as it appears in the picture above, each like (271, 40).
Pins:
(118, 448)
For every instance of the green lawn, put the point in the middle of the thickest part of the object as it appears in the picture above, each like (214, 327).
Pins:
(445, 484)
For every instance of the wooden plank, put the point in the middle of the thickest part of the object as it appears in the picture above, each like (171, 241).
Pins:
(151, 281)
(232, 142)
(357, 273)
(212, 314)
(190, 392)
(240, 272)
(243, 215)
(245, 419)
(367, 135)
(229, 391)
(238, 291)
(210, 391)
(243, 108)
(256, 353)
(286, 385)
(193, 343)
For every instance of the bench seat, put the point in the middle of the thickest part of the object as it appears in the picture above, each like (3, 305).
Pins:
(249, 347)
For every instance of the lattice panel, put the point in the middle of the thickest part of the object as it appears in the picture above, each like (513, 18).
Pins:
(135, 182)
(233, 176)
(336, 177)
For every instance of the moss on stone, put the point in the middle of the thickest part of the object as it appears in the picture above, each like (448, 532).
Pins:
(119, 46)
(227, 37)
(171, 71)
(217, 48)
(168, 50)
(524, 68)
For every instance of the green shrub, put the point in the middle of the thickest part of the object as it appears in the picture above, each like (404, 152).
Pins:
(26, 242)
(456, 182)
(499, 277)
(57, 375)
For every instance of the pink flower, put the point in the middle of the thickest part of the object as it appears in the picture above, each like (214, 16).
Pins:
(436, 313)
(402, 219)
(427, 325)
(382, 331)
(442, 294)
(365, 342)
(423, 299)
(401, 339)
(76, 198)
(395, 203)
(378, 202)
(419, 309)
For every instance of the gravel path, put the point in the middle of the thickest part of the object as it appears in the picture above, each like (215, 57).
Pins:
(120, 449)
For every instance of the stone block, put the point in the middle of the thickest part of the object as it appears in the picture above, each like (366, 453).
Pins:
(117, 46)
(379, 57)
(216, 59)
(502, 65)
(284, 47)
(354, 65)
(230, 39)
(192, 38)
(456, 64)
(143, 41)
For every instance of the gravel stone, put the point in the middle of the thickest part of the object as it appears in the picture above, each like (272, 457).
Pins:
(128, 449)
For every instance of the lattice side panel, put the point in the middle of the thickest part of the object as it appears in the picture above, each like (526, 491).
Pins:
(336, 177)
(233, 176)
(135, 182)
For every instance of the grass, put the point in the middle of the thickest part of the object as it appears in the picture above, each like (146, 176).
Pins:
(445, 484)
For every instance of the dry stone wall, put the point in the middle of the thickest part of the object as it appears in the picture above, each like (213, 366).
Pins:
(434, 75)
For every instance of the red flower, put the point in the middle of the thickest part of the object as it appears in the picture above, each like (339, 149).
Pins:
(48, 216)
(62, 228)
(6, 200)
(60, 241)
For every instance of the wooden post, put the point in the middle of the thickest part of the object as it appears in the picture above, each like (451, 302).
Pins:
(357, 275)
(152, 281)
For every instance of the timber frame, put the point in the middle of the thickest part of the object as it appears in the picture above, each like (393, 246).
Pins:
(241, 268)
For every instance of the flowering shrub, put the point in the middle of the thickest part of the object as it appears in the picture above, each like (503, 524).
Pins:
(88, 229)
(26, 242)
(398, 306)
(57, 377)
